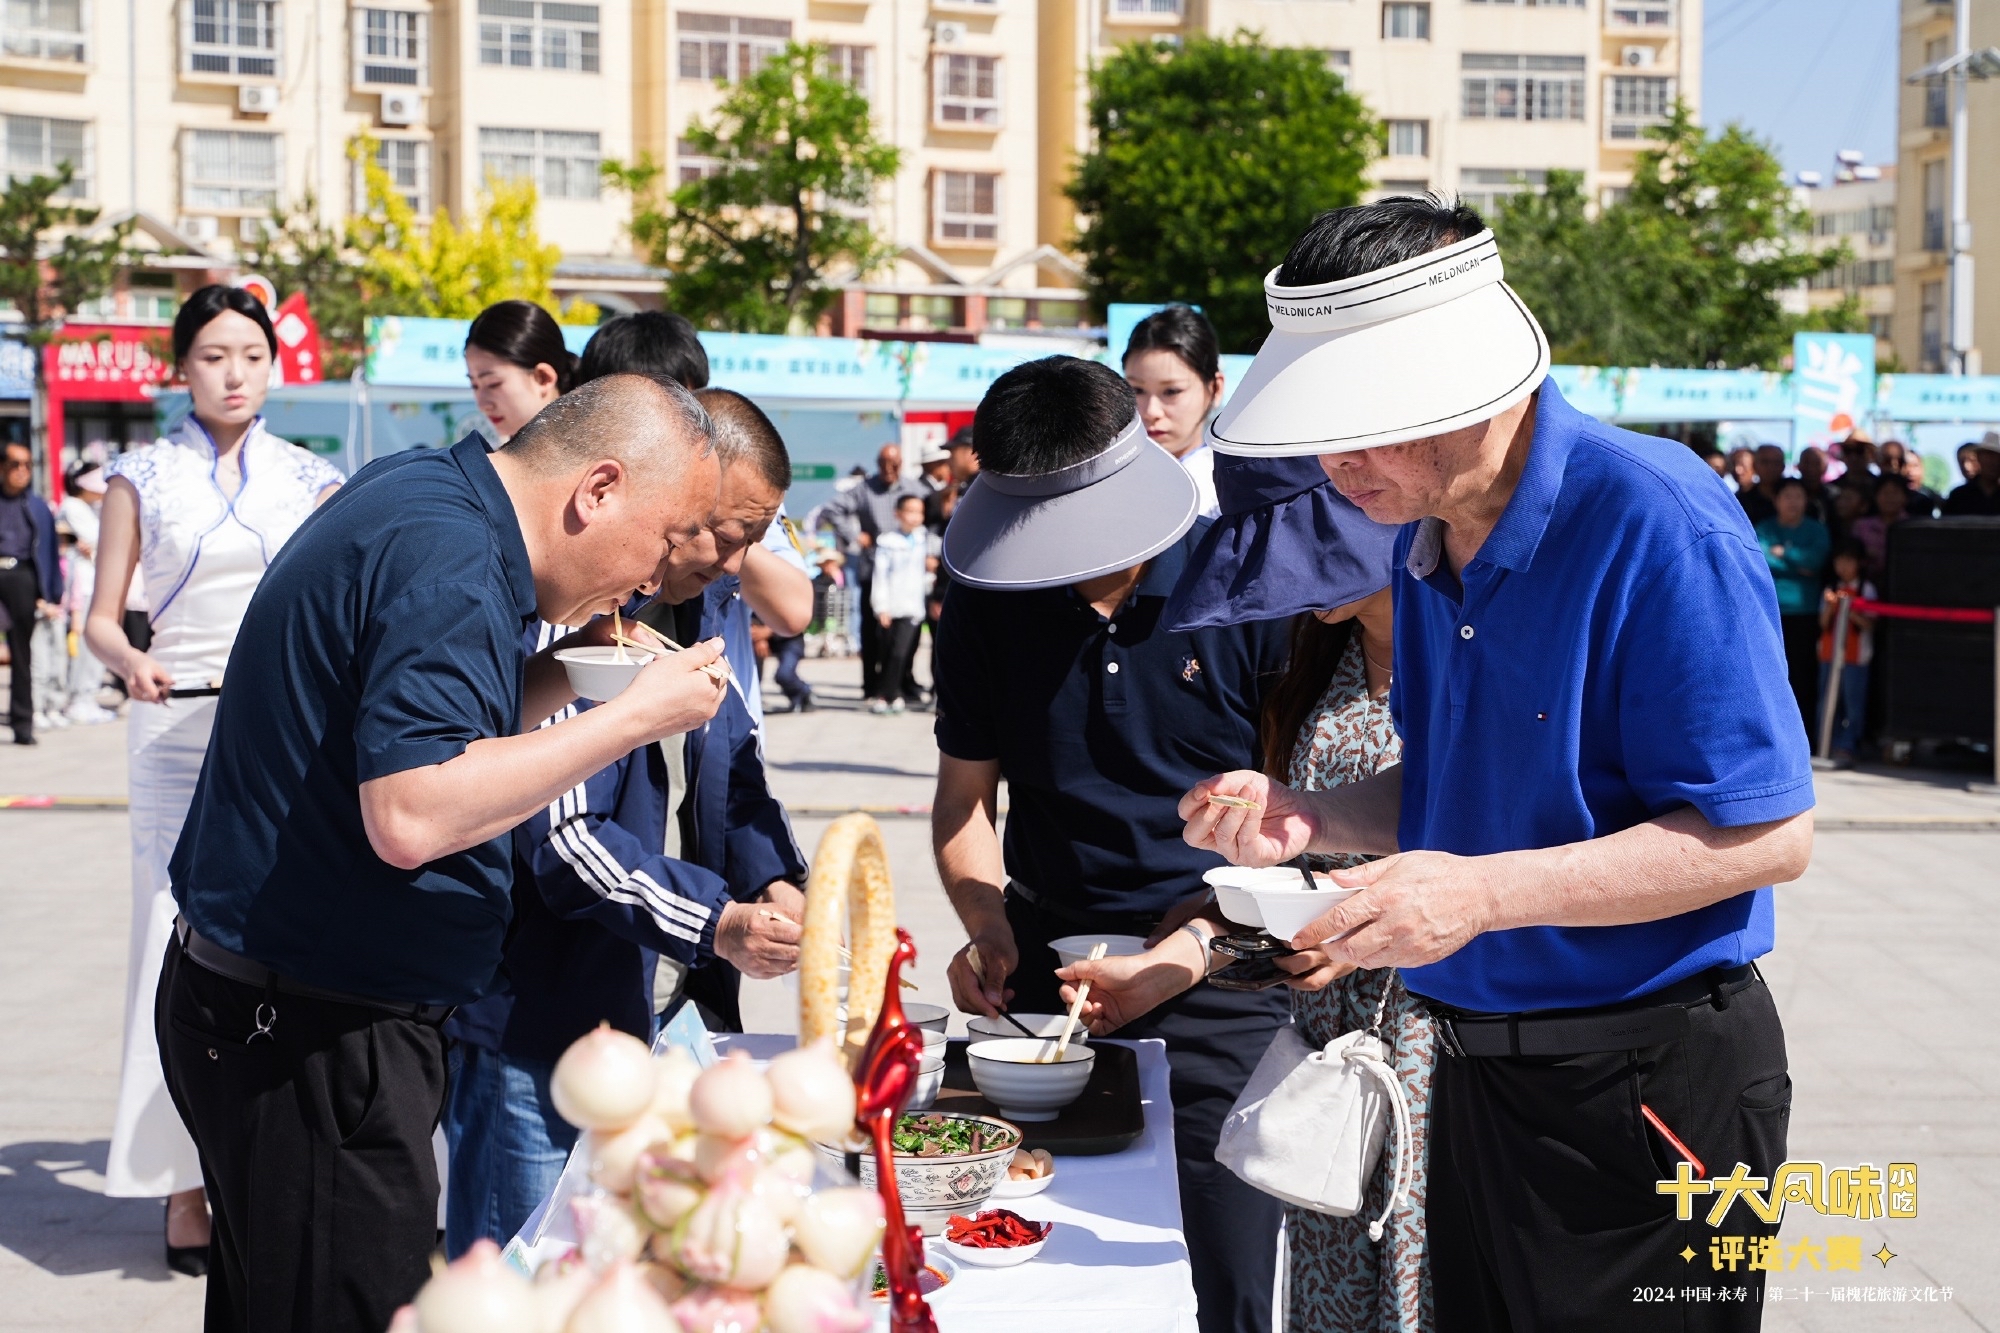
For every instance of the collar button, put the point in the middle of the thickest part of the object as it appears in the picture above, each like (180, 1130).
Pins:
(1465, 631)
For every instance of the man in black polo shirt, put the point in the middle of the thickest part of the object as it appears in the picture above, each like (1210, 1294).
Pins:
(1056, 672)
(343, 875)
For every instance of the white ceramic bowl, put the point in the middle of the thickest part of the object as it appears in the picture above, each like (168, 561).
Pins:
(930, 1077)
(596, 673)
(995, 1258)
(1007, 1074)
(933, 1042)
(1042, 1025)
(1076, 948)
(1021, 1189)
(1273, 899)
(930, 1017)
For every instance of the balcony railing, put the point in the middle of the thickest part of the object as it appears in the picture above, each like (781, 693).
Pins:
(1639, 15)
(20, 41)
(1145, 11)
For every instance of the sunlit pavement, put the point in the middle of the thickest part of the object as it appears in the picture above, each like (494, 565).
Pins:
(1884, 973)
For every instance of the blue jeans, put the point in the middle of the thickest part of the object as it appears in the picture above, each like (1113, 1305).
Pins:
(789, 651)
(1847, 718)
(507, 1143)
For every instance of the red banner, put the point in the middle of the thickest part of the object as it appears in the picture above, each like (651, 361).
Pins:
(298, 341)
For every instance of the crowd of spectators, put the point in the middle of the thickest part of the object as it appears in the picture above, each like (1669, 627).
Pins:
(1824, 524)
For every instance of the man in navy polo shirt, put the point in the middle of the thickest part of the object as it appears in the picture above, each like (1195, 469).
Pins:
(1585, 836)
(344, 872)
(1056, 671)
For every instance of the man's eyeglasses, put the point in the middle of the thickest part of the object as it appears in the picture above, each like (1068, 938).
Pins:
(17, 464)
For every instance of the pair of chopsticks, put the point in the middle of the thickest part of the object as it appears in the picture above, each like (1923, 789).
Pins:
(1245, 803)
(978, 970)
(1076, 1007)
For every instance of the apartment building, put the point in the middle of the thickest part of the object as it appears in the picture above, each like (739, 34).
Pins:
(1481, 97)
(1923, 190)
(1856, 209)
(953, 84)
(198, 116)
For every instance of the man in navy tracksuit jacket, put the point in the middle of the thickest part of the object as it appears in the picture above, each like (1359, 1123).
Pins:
(598, 904)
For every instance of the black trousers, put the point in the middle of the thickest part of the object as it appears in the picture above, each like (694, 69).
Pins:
(1214, 1039)
(871, 646)
(898, 647)
(315, 1148)
(19, 591)
(1801, 637)
(1542, 1209)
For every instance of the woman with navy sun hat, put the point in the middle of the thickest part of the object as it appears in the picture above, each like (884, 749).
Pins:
(1288, 546)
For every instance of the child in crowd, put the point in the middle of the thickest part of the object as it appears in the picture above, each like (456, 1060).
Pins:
(1854, 654)
(904, 560)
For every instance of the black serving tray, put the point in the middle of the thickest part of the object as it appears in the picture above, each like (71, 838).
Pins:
(1108, 1117)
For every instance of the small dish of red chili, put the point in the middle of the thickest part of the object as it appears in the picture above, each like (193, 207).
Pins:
(996, 1238)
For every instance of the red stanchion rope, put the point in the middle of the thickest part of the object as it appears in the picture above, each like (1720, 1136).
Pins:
(1955, 615)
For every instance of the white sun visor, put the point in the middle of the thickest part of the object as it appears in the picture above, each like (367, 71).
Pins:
(1419, 348)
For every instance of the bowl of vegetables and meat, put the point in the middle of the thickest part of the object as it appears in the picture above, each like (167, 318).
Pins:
(946, 1162)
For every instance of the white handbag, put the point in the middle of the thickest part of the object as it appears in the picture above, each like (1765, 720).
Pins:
(1310, 1123)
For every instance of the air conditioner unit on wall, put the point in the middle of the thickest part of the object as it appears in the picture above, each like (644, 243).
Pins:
(402, 108)
(257, 99)
(199, 228)
(1637, 57)
(948, 33)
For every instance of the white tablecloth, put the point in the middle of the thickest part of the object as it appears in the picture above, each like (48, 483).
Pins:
(1117, 1261)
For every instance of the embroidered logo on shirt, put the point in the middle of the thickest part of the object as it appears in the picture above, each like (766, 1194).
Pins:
(1190, 668)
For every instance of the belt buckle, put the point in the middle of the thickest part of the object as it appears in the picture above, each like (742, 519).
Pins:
(1448, 1030)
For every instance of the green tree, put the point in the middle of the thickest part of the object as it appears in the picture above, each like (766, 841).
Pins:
(447, 269)
(751, 244)
(1687, 269)
(44, 281)
(299, 253)
(1205, 163)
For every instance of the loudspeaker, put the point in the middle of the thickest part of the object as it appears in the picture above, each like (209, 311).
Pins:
(1937, 679)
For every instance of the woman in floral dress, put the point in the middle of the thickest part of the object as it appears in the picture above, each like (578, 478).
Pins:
(1288, 544)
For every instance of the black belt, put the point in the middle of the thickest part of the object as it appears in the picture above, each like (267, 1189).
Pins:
(205, 692)
(250, 972)
(1110, 923)
(13, 562)
(1651, 1020)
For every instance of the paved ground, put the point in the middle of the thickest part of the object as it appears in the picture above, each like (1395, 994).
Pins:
(1884, 971)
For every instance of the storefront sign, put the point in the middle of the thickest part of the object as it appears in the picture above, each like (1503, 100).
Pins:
(17, 369)
(1702, 395)
(1833, 384)
(1938, 397)
(101, 363)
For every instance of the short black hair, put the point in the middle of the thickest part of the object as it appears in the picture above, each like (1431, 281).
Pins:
(1348, 242)
(524, 334)
(201, 309)
(1850, 547)
(1786, 484)
(743, 434)
(908, 496)
(1048, 414)
(648, 342)
(1182, 330)
(1891, 479)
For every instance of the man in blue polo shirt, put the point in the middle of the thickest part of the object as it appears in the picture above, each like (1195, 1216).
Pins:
(1056, 671)
(1586, 838)
(344, 872)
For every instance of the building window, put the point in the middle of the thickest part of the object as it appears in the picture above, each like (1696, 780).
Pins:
(1880, 326)
(231, 37)
(967, 206)
(37, 146)
(1414, 188)
(1517, 87)
(1545, 4)
(1150, 8)
(563, 164)
(1879, 219)
(231, 171)
(1409, 138)
(1934, 204)
(1637, 102)
(1855, 275)
(1937, 92)
(43, 30)
(967, 91)
(691, 166)
(853, 66)
(1653, 14)
(1408, 22)
(1930, 323)
(1485, 187)
(721, 47)
(1339, 62)
(408, 164)
(531, 34)
(391, 48)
